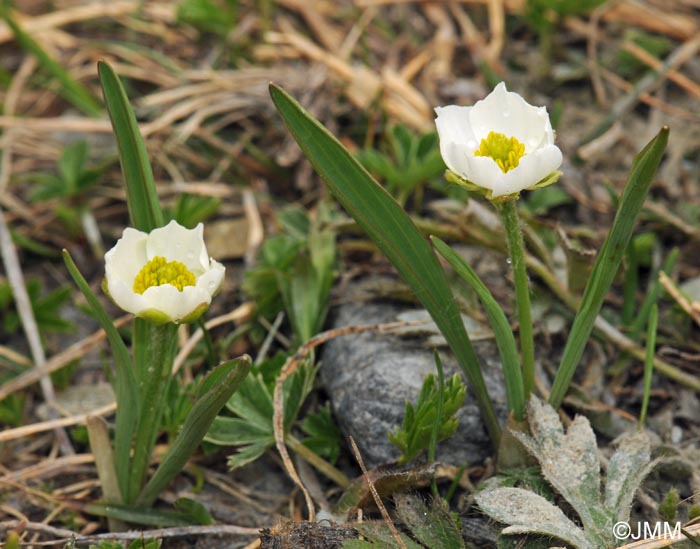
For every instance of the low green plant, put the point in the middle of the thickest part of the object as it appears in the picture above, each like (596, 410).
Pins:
(247, 422)
(47, 308)
(296, 270)
(12, 406)
(215, 16)
(191, 209)
(405, 163)
(323, 436)
(630, 67)
(545, 15)
(75, 178)
(69, 189)
(414, 435)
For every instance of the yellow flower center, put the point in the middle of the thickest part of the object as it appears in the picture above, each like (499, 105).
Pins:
(503, 150)
(159, 271)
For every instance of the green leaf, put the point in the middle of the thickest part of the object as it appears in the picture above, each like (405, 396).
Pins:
(142, 199)
(216, 389)
(393, 232)
(418, 423)
(105, 544)
(154, 349)
(252, 429)
(248, 454)
(541, 202)
(649, 362)
(654, 291)
(324, 436)
(209, 15)
(148, 543)
(71, 164)
(70, 89)
(235, 431)
(253, 402)
(126, 385)
(608, 261)
(199, 513)
(502, 331)
(191, 209)
(143, 515)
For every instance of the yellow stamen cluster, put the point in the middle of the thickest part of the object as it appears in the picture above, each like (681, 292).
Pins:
(505, 151)
(159, 271)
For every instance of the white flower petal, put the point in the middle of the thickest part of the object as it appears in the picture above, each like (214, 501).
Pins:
(453, 125)
(211, 280)
(508, 113)
(173, 303)
(122, 293)
(483, 171)
(178, 243)
(127, 258)
(532, 168)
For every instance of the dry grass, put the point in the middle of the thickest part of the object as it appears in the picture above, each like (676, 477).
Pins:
(211, 130)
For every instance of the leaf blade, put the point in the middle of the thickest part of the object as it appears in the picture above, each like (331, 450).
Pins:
(505, 341)
(142, 199)
(127, 399)
(608, 261)
(72, 90)
(219, 386)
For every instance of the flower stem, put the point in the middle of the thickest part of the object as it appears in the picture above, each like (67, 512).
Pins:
(318, 462)
(516, 249)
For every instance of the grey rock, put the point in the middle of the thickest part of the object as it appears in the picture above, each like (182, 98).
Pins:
(370, 376)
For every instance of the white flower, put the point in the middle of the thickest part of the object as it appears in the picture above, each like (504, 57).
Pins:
(502, 144)
(163, 276)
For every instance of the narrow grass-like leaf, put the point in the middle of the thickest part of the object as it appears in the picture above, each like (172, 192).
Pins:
(381, 217)
(71, 90)
(438, 416)
(218, 387)
(608, 261)
(499, 324)
(126, 389)
(154, 351)
(630, 285)
(654, 292)
(142, 199)
(142, 515)
(649, 362)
